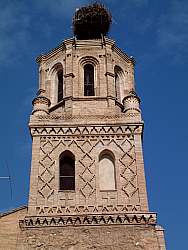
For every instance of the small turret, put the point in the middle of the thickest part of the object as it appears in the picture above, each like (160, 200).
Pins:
(131, 102)
(41, 103)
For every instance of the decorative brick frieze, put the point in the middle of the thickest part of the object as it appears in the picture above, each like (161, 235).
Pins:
(89, 219)
(91, 209)
(87, 130)
(98, 118)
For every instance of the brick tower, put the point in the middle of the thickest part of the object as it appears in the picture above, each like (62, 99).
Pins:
(87, 184)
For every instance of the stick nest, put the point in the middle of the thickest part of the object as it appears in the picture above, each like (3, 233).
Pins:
(92, 21)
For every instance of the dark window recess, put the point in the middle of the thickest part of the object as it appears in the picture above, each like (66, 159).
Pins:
(67, 172)
(60, 86)
(116, 77)
(89, 80)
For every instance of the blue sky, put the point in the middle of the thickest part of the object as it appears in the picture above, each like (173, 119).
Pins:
(156, 34)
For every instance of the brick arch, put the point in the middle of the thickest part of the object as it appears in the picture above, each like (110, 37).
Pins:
(89, 60)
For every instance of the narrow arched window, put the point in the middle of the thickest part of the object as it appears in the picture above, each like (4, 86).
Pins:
(116, 84)
(89, 80)
(119, 83)
(60, 85)
(67, 171)
(107, 171)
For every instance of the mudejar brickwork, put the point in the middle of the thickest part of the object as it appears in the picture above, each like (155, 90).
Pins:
(87, 182)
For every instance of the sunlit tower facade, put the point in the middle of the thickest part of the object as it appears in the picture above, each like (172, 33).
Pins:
(87, 183)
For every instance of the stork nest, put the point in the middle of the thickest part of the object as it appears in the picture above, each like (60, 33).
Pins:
(92, 21)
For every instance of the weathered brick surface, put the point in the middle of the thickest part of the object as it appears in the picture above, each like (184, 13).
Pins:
(91, 237)
(9, 228)
(113, 237)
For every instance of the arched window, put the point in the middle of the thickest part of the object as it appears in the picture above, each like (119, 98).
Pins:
(60, 85)
(89, 80)
(55, 83)
(107, 171)
(119, 83)
(67, 171)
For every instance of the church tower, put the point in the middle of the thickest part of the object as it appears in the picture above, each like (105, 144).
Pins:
(87, 184)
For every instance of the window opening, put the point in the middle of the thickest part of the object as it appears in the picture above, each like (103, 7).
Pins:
(60, 86)
(119, 83)
(89, 80)
(116, 87)
(67, 171)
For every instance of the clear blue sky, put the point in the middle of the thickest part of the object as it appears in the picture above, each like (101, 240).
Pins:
(155, 32)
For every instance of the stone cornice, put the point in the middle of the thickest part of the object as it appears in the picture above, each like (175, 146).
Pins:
(84, 43)
(88, 220)
(51, 53)
(122, 54)
(115, 118)
(58, 120)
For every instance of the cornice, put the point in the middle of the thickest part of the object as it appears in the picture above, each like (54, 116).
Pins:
(84, 43)
(69, 117)
(123, 55)
(56, 119)
(61, 47)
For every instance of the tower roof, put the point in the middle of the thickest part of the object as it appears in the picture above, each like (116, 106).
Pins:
(91, 21)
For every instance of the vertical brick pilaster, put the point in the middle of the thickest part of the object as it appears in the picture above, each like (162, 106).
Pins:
(160, 236)
(140, 172)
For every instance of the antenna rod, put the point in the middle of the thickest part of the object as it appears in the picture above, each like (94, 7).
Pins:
(9, 179)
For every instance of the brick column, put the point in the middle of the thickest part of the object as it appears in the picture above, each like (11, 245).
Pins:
(140, 172)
